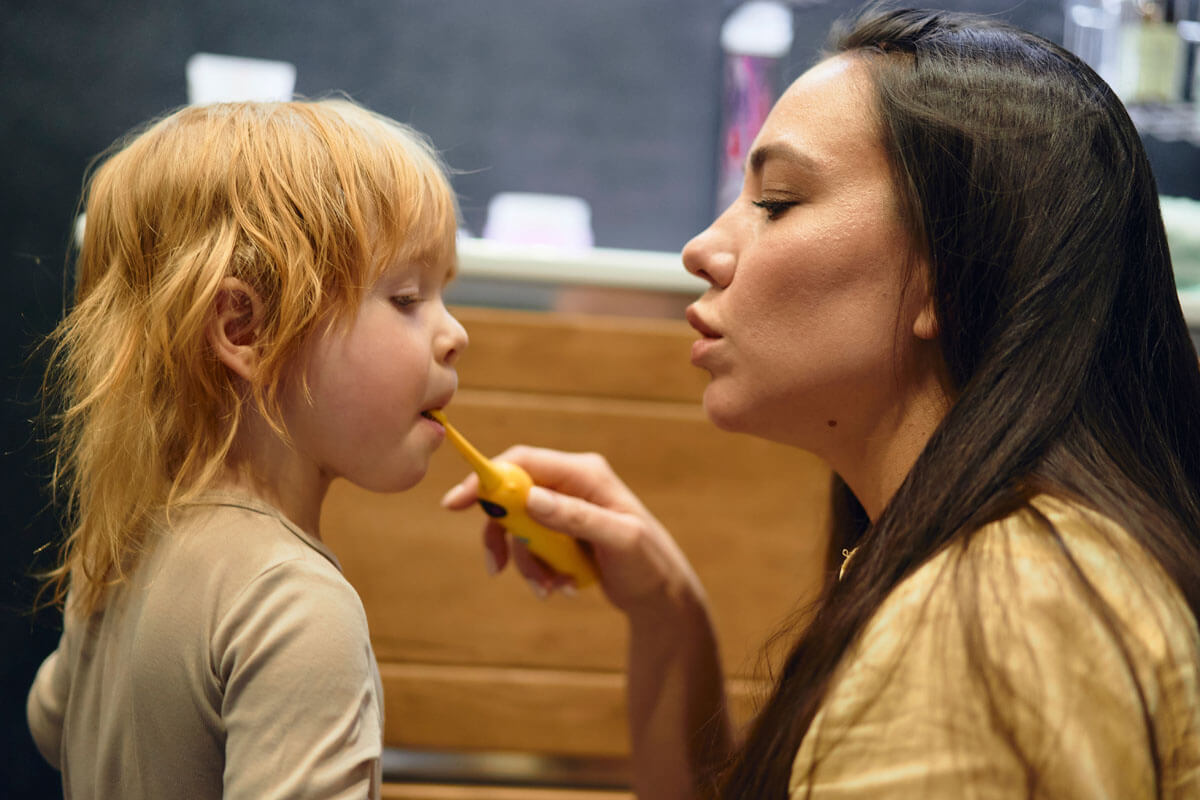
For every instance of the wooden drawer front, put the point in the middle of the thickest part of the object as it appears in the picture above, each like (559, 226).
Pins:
(576, 354)
(480, 663)
(488, 708)
(429, 791)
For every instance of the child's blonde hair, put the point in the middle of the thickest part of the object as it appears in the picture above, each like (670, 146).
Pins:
(305, 202)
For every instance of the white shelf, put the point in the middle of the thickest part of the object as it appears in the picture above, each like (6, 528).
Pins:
(1168, 122)
(609, 267)
(1190, 300)
(597, 266)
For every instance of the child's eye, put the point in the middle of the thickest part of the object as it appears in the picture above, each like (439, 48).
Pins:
(774, 208)
(405, 300)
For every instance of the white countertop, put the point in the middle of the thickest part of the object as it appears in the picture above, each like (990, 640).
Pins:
(594, 266)
(1190, 300)
(613, 268)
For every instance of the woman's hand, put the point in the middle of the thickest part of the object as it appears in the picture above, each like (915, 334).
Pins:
(642, 569)
(678, 717)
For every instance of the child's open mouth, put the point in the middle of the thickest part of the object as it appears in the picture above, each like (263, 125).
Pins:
(434, 415)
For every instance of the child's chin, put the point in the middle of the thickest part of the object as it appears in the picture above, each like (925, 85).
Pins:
(391, 484)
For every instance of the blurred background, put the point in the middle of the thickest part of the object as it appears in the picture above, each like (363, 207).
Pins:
(617, 102)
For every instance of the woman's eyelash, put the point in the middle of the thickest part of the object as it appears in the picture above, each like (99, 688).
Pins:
(774, 207)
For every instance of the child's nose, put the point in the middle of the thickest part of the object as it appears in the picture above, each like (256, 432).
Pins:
(452, 341)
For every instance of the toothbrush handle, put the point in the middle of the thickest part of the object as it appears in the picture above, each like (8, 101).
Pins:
(506, 503)
(503, 488)
(557, 549)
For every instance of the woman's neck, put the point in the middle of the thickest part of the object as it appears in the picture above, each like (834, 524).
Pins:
(885, 453)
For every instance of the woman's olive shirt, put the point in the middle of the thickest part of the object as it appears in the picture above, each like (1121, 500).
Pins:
(995, 649)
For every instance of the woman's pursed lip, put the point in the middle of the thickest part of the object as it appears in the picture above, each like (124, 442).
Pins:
(702, 347)
(696, 321)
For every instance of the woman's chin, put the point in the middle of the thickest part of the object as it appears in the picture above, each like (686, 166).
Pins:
(762, 420)
(725, 415)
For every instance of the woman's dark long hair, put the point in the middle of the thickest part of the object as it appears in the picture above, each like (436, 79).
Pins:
(1027, 185)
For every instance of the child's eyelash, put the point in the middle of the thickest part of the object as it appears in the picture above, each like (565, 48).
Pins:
(774, 207)
(405, 300)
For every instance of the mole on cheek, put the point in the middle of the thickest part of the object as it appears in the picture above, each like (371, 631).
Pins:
(832, 423)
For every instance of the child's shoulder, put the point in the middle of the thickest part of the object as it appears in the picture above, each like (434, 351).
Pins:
(225, 546)
(245, 525)
(225, 564)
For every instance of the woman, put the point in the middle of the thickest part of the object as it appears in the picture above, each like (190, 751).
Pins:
(947, 275)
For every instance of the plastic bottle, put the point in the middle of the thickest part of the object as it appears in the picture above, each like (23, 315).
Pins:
(1152, 53)
(1092, 31)
(754, 37)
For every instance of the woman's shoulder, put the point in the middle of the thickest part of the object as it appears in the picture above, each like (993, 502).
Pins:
(1055, 573)
(1050, 549)
(1056, 560)
(1049, 628)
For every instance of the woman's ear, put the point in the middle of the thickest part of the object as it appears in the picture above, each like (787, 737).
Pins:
(233, 327)
(925, 326)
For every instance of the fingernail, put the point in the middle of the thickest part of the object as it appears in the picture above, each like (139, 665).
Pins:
(569, 589)
(489, 560)
(540, 501)
(538, 589)
(450, 496)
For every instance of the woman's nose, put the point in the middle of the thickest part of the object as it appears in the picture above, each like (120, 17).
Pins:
(710, 255)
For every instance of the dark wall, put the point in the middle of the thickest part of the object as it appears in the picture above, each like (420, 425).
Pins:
(612, 100)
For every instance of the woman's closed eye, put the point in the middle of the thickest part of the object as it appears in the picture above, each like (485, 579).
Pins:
(774, 208)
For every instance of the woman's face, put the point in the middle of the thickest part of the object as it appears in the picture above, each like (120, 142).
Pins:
(809, 331)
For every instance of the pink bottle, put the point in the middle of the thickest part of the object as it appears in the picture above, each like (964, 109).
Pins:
(754, 37)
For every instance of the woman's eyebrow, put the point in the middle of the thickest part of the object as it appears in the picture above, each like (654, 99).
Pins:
(785, 152)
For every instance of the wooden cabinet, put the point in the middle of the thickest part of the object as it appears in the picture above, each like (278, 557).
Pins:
(429, 791)
(477, 664)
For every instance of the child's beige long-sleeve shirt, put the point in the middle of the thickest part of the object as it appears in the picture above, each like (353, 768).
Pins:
(234, 663)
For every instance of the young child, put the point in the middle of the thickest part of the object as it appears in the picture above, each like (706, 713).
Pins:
(258, 311)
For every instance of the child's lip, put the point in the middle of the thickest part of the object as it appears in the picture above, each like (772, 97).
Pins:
(433, 412)
(436, 423)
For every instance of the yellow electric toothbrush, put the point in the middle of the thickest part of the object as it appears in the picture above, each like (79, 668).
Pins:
(502, 491)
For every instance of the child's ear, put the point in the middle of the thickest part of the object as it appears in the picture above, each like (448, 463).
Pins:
(234, 325)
